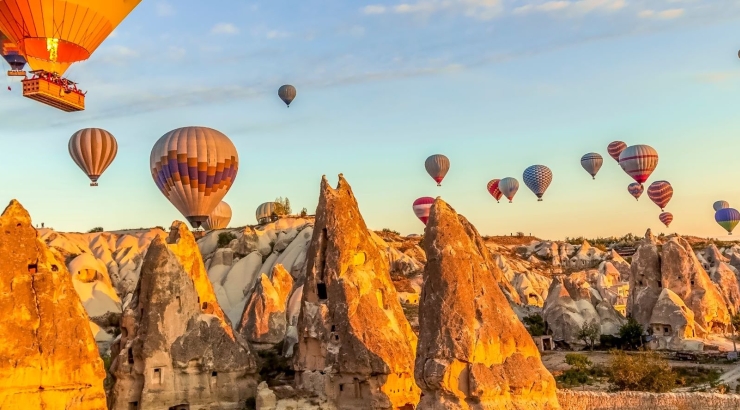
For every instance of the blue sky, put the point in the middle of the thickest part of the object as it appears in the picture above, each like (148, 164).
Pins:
(496, 85)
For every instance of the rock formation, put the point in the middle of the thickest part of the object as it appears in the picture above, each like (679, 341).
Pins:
(355, 347)
(473, 352)
(645, 280)
(48, 353)
(176, 346)
(264, 321)
(672, 322)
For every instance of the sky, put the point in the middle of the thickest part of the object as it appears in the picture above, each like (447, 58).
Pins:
(495, 85)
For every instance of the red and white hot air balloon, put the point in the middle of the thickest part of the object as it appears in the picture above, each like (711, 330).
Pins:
(493, 189)
(422, 206)
(616, 148)
(639, 161)
(666, 218)
(660, 192)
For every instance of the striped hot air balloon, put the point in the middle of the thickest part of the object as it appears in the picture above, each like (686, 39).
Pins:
(508, 186)
(666, 218)
(635, 190)
(93, 150)
(592, 162)
(422, 206)
(537, 178)
(720, 205)
(437, 167)
(194, 167)
(727, 218)
(639, 161)
(493, 189)
(266, 212)
(616, 148)
(219, 218)
(660, 192)
(287, 93)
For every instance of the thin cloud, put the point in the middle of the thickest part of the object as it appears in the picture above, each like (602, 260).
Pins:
(225, 28)
(165, 9)
(578, 7)
(275, 34)
(479, 9)
(717, 77)
(665, 14)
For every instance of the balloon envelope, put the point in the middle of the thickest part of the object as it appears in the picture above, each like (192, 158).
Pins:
(666, 218)
(437, 167)
(635, 189)
(727, 218)
(93, 150)
(266, 212)
(616, 148)
(720, 205)
(508, 187)
(493, 189)
(422, 206)
(219, 218)
(54, 34)
(592, 162)
(538, 178)
(639, 161)
(287, 93)
(660, 192)
(194, 167)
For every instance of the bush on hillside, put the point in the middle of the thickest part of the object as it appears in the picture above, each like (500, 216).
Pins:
(96, 229)
(535, 324)
(225, 238)
(647, 372)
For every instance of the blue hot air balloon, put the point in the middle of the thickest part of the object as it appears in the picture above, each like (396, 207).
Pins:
(727, 218)
(538, 178)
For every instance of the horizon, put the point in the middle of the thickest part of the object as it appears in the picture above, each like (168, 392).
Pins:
(496, 86)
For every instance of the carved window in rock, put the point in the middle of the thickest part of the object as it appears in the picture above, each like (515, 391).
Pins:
(134, 405)
(157, 376)
(33, 267)
(205, 306)
(321, 291)
(179, 302)
(214, 377)
(660, 284)
(692, 282)
(130, 356)
(54, 268)
(358, 391)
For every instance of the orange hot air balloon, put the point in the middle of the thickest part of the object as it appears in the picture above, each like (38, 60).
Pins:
(53, 34)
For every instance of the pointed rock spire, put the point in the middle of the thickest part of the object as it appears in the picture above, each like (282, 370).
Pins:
(472, 347)
(355, 347)
(49, 356)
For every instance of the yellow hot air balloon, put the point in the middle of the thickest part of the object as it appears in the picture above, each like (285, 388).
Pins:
(194, 167)
(53, 34)
(219, 218)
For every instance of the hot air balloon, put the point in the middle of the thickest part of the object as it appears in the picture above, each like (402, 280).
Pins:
(720, 205)
(194, 167)
(727, 218)
(660, 192)
(635, 190)
(616, 148)
(508, 187)
(12, 55)
(266, 212)
(219, 218)
(437, 167)
(493, 189)
(639, 161)
(93, 150)
(422, 206)
(666, 218)
(537, 178)
(287, 93)
(592, 163)
(54, 34)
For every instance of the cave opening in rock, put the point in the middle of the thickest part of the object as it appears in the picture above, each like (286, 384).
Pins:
(321, 291)
(32, 267)
(130, 356)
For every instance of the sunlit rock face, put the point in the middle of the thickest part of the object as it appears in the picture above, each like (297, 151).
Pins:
(473, 352)
(48, 355)
(355, 347)
(645, 280)
(264, 323)
(177, 347)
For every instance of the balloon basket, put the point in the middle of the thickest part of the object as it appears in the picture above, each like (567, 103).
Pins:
(16, 73)
(50, 90)
(539, 200)
(93, 184)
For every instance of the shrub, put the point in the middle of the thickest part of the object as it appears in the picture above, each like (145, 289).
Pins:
(610, 342)
(535, 324)
(589, 332)
(225, 238)
(631, 333)
(96, 229)
(641, 372)
(578, 361)
(304, 212)
(390, 231)
(578, 374)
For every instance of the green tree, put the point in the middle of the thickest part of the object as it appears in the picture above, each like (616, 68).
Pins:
(579, 362)
(225, 238)
(304, 212)
(631, 333)
(282, 206)
(640, 372)
(96, 229)
(534, 324)
(589, 332)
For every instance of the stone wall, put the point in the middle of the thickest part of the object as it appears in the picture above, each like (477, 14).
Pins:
(576, 400)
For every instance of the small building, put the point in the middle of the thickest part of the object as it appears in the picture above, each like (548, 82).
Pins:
(544, 343)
